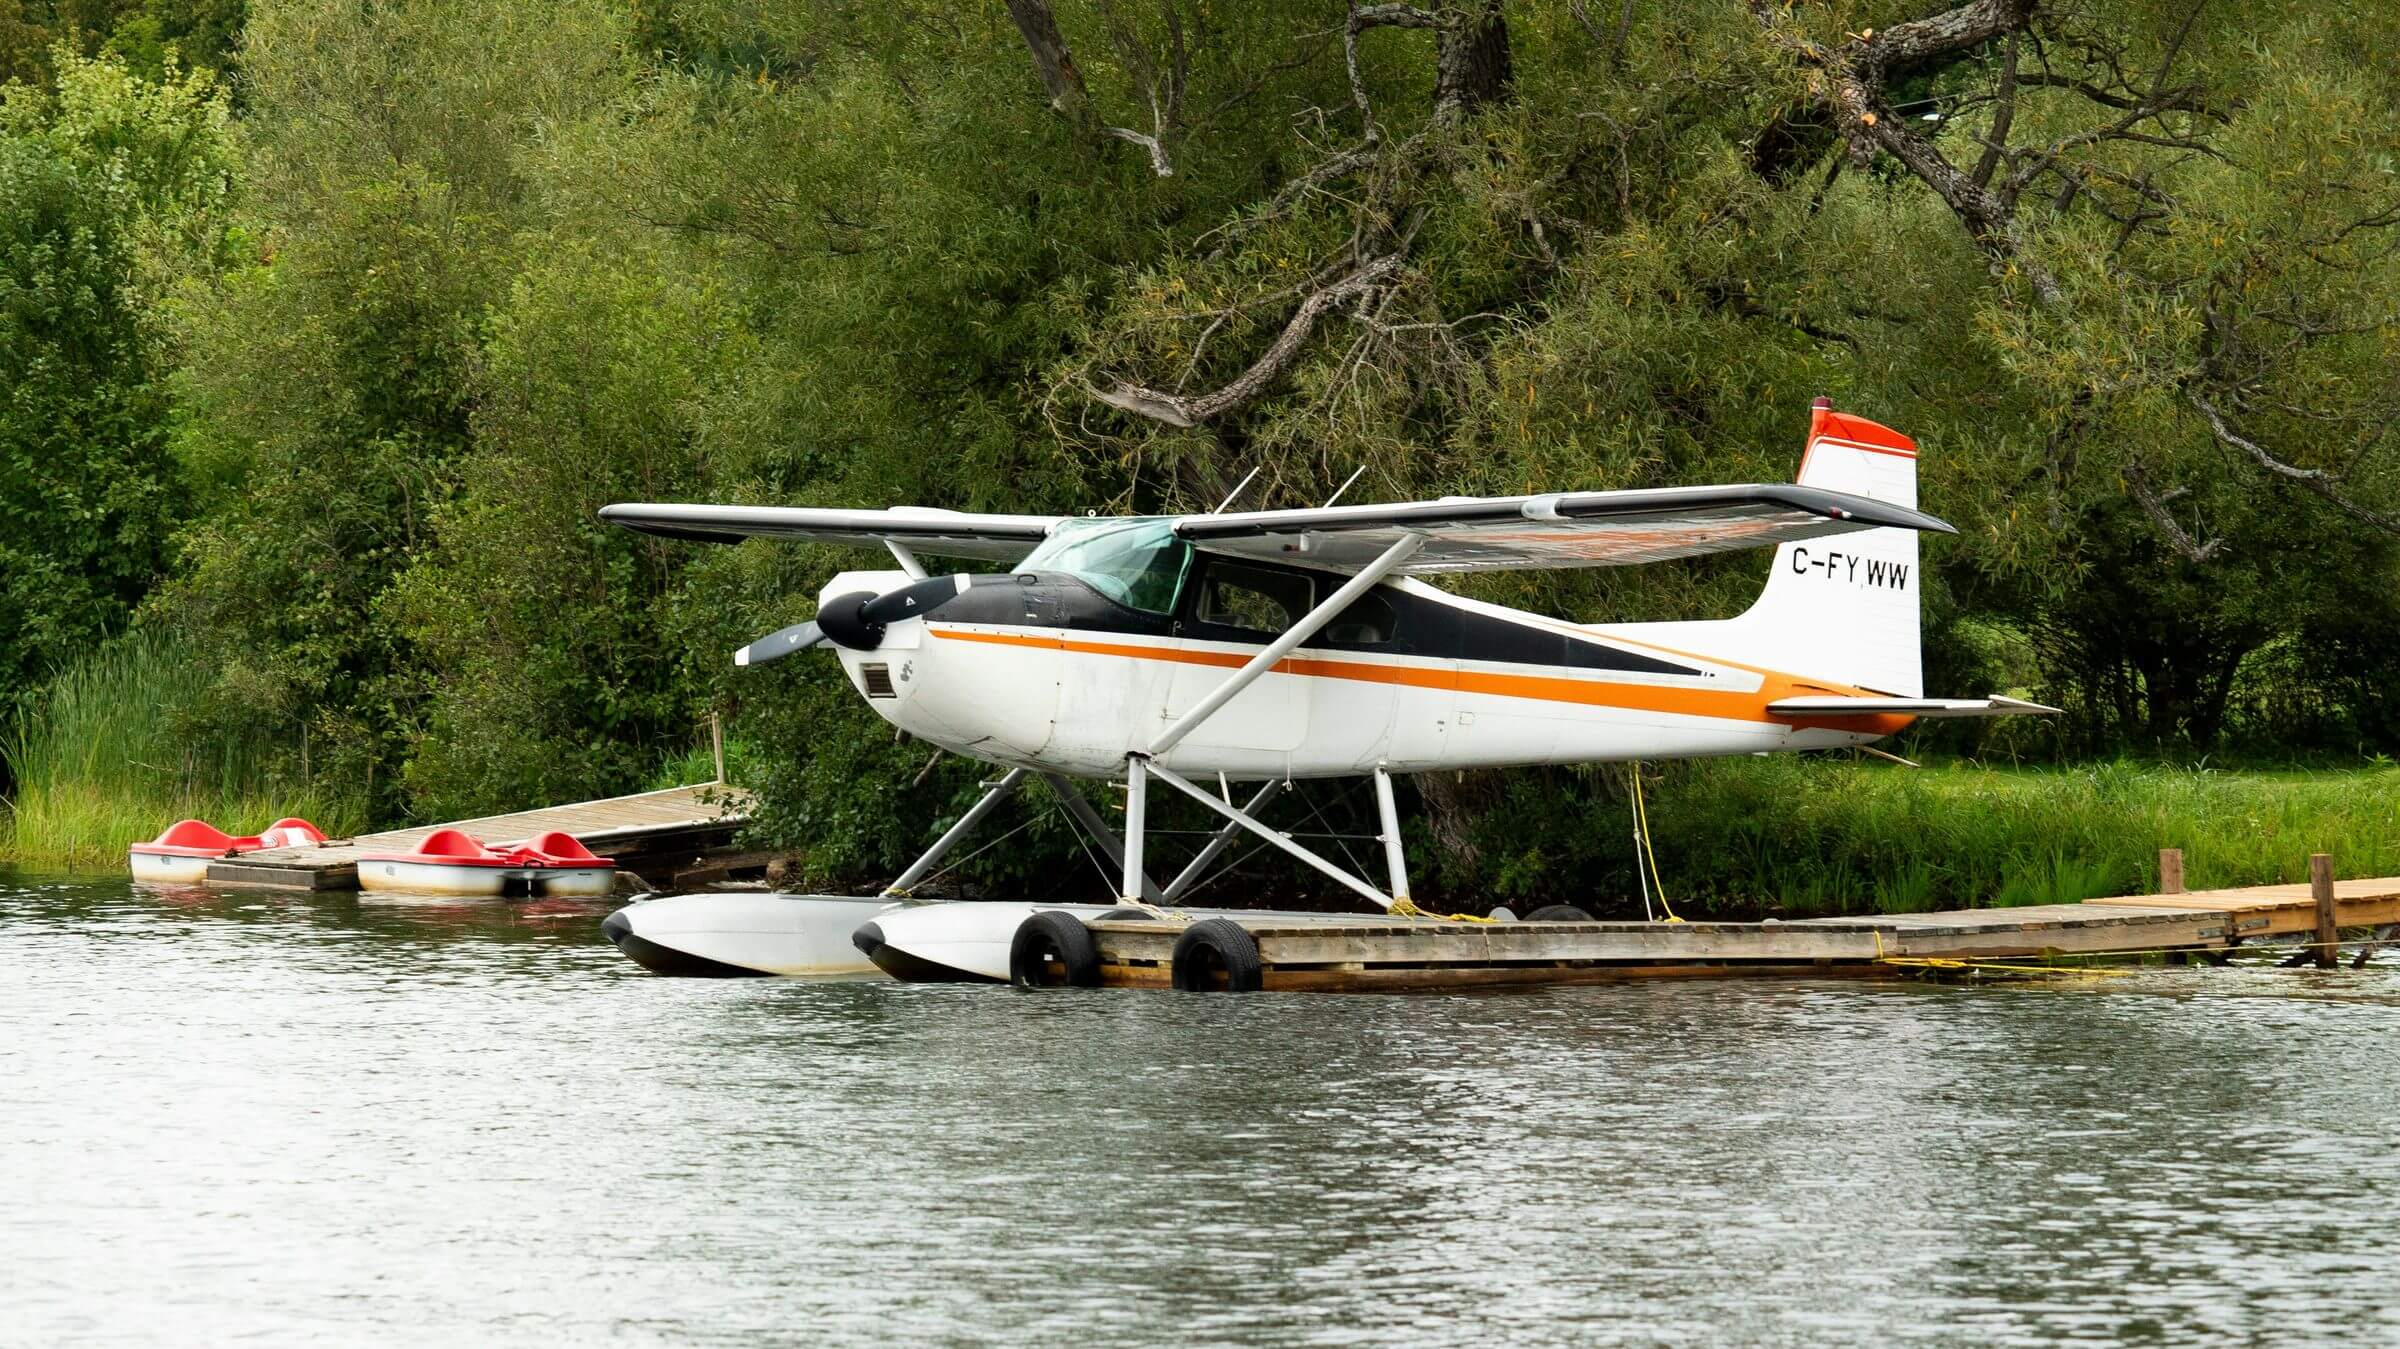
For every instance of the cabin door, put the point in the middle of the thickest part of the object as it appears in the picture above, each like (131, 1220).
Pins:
(1247, 606)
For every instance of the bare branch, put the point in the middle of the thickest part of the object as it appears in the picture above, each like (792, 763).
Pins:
(1996, 144)
(1855, 74)
(2154, 505)
(1178, 410)
(1159, 163)
(1908, 44)
(2316, 480)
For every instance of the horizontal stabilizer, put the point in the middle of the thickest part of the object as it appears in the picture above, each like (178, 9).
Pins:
(1908, 707)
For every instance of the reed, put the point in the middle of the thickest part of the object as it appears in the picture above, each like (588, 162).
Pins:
(1816, 835)
(114, 750)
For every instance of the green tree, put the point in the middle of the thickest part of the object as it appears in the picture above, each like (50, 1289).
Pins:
(110, 186)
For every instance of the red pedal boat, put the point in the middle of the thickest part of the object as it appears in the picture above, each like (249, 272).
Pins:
(181, 855)
(454, 862)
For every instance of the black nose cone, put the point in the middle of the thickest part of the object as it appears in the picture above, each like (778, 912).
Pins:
(616, 927)
(868, 939)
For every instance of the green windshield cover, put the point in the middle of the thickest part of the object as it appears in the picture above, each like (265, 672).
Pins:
(1137, 563)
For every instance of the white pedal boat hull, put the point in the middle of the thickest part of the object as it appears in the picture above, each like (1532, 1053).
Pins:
(741, 934)
(160, 869)
(437, 878)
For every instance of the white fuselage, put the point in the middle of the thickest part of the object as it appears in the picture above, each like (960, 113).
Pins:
(1077, 701)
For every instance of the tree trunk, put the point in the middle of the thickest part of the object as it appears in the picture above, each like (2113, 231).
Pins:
(1051, 59)
(1471, 64)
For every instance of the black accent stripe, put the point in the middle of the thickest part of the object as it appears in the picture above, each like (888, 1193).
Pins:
(1425, 627)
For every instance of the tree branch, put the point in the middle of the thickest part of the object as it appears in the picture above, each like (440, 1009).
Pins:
(1052, 61)
(2316, 480)
(1179, 410)
(1855, 73)
(2154, 505)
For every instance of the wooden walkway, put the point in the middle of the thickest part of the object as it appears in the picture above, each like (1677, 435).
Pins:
(668, 825)
(1386, 953)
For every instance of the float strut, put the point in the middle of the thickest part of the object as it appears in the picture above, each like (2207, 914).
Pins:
(966, 825)
(1094, 827)
(1136, 883)
(1393, 858)
(1240, 817)
(1190, 875)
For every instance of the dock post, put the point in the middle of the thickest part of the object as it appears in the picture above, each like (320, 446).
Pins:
(716, 744)
(2170, 871)
(2320, 885)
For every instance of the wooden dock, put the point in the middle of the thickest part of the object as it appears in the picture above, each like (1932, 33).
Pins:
(663, 829)
(1387, 953)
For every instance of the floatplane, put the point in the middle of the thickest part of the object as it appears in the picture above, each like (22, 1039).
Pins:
(1226, 656)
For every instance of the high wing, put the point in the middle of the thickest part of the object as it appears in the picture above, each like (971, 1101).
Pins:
(1562, 529)
(1566, 529)
(924, 529)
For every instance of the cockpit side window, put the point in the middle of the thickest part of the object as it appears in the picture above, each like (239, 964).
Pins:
(1138, 563)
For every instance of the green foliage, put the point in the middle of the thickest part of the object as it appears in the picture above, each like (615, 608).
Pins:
(151, 37)
(108, 185)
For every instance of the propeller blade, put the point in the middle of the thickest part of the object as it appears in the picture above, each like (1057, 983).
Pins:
(777, 645)
(913, 599)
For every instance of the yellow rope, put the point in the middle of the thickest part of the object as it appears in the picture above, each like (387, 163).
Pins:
(1641, 826)
(1946, 963)
(1404, 907)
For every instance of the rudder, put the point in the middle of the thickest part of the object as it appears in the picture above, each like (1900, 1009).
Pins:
(1847, 607)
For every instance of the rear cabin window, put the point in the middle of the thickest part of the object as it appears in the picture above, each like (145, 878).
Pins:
(1371, 620)
(1253, 599)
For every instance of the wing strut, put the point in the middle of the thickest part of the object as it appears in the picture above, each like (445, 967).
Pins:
(1308, 626)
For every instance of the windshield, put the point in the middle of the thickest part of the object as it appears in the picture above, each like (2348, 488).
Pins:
(1137, 563)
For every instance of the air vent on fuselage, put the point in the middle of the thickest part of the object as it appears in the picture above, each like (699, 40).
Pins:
(878, 679)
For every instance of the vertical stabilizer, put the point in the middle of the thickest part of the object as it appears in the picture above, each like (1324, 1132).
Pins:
(1842, 608)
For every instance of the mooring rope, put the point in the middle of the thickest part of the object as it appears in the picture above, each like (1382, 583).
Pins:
(1641, 835)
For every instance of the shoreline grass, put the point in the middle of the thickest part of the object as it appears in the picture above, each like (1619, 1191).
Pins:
(1813, 836)
(111, 753)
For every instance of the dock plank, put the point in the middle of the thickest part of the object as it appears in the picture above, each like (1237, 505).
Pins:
(621, 824)
(1382, 952)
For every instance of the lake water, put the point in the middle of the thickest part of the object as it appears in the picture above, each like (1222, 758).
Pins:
(245, 1117)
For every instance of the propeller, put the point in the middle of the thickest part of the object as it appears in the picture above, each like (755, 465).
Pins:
(855, 620)
(780, 643)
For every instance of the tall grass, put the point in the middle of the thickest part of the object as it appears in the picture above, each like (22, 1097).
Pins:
(113, 750)
(1816, 835)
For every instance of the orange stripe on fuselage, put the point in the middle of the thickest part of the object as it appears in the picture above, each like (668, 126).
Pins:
(1544, 688)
